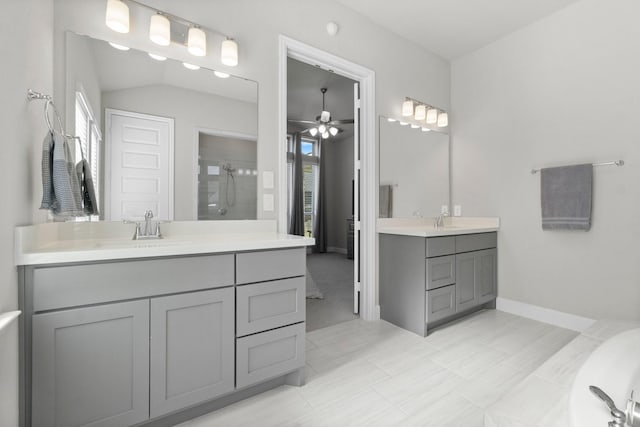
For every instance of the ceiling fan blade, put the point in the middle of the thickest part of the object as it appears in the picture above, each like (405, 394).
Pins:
(341, 122)
(306, 122)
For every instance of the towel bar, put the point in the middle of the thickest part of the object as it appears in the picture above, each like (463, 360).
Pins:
(611, 163)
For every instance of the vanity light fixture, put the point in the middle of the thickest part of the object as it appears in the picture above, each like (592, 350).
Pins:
(157, 57)
(313, 131)
(119, 46)
(197, 42)
(117, 16)
(229, 52)
(221, 75)
(191, 66)
(407, 108)
(333, 131)
(160, 29)
(443, 120)
(421, 112)
(432, 116)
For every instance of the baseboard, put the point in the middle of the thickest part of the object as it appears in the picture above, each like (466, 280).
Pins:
(546, 315)
(342, 251)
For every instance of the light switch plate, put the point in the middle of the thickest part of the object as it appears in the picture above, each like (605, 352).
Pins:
(267, 180)
(267, 202)
(444, 209)
(457, 210)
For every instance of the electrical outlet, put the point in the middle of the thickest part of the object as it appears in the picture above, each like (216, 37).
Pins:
(444, 209)
(457, 210)
(267, 202)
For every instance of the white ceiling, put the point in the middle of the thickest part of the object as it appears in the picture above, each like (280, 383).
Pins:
(452, 28)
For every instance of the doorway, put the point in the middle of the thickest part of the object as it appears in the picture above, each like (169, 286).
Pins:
(364, 228)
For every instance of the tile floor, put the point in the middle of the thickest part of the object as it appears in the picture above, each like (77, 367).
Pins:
(376, 374)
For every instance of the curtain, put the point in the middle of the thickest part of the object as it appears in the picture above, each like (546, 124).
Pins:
(320, 223)
(296, 222)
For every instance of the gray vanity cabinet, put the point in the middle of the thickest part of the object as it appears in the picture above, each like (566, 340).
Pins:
(192, 349)
(91, 366)
(427, 281)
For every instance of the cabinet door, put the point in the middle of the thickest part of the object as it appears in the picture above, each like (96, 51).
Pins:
(486, 276)
(91, 366)
(466, 287)
(192, 340)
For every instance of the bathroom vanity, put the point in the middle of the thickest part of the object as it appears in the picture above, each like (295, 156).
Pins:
(430, 276)
(188, 325)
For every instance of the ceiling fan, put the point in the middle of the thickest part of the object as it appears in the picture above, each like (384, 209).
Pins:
(323, 125)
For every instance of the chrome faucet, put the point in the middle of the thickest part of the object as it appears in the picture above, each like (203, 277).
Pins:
(632, 416)
(439, 221)
(150, 230)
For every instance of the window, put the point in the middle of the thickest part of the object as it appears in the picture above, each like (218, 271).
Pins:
(309, 179)
(89, 144)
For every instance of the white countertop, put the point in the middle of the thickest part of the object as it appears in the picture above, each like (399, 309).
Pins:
(80, 242)
(423, 227)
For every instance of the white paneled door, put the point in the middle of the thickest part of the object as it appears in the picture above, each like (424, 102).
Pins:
(139, 166)
(356, 198)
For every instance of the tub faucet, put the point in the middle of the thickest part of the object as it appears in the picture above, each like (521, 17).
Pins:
(619, 417)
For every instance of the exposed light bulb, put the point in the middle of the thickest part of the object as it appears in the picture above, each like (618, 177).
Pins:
(443, 120)
(119, 46)
(322, 128)
(325, 135)
(390, 119)
(421, 112)
(426, 130)
(117, 16)
(333, 131)
(313, 131)
(221, 75)
(197, 42)
(229, 53)
(190, 66)
(160, 30)
(432, 115)
(407, 108)
(157, 57)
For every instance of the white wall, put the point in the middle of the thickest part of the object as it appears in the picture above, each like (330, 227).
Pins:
(27, 56)
(339, 173)
(402, 69)
(190, 110)
(561, 91)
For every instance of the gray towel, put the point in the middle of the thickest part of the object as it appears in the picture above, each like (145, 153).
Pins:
(565, 194)
(385, 198)
(87, 190)
(60, 185)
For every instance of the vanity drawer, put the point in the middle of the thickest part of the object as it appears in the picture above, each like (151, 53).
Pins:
(84, 284)
(269, 305)
(269, 265)
(269, 354)
(476, 242)
(441, 271)
(438, 246)
(441, 303)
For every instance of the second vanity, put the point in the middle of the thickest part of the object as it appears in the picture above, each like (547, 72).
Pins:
(429, 275)
(117, 332)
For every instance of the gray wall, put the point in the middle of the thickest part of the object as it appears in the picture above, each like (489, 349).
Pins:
(561, 91)
(402, 68)
(339, 173)
(27, 56)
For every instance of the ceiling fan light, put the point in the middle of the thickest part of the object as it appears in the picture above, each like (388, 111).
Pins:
(421, 112)
(325, 135)
(117, 17)
(229, 53)
(325, 116)
(322, 128)
(160, 30)
(333, 131)
(197, 42)
(313, 131)
(432, 116)
(407, 108)
(443, 120)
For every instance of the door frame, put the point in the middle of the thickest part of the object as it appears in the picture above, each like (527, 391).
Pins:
(290, 48)
(108, 112)
(196, 153)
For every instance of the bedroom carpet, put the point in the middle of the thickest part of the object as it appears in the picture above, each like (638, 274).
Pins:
(333, 275)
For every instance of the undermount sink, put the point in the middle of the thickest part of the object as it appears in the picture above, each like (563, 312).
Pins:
(614, 367)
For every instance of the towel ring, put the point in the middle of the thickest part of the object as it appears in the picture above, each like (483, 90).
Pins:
(49, 104)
